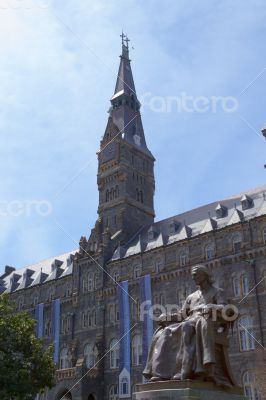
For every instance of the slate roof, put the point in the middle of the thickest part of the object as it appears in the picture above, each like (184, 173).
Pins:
(198, 221)
(189, 224)
(36, 274)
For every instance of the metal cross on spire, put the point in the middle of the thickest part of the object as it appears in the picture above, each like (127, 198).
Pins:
(125, 39)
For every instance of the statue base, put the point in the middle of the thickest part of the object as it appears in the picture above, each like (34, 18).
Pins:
(186, 390)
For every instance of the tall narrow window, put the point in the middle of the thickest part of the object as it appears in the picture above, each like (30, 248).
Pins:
(183, 258)
(113, 392)
(244, 285)
(90, 355)
(65, 358)
(136, 350)
(137, 271)
(264, 235)
(248, 385)
(114, 353)
(209, 251)
(246, 334)
(90, 281)
(124, 386)
(236, 287)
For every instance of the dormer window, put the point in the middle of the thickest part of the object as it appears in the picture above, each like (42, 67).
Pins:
(173, 227)
(221, 211)
(152, 233)
(246, 202)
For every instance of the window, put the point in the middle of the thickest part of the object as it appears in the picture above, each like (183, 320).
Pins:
(244, 285)
(209, 252)
(135, 309)
(158, 265)
(51, 293)
(90, 355)
(117, 312)
(137, 271)
(236, 287)
(116, 276)
(65, 358)
(112, 313)
(137, 350)
(113, 392)
(90, 281)
(264, 235)
(35, 300)
(183, 258)
(248, 385)
(47, 328)
(85, 285)
(116, 191)
(68, 290)
(124, 386)
(246, 334)
(20, 303)
(84, 319)
(237, 243)
(114, 353)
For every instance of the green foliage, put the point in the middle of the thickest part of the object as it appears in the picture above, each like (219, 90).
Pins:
(26, 368)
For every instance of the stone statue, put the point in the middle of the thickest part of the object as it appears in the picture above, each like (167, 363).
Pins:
(192, 344)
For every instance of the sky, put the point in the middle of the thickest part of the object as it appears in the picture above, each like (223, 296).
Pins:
(200, 73)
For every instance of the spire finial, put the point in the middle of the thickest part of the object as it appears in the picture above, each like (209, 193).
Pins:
(125, 41)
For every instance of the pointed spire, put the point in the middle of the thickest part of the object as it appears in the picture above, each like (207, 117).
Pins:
(124, 82)
(124, 113)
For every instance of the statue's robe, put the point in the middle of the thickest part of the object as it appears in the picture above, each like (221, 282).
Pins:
(186, 346)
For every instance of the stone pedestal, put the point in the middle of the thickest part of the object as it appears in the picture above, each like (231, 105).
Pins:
(185, 390)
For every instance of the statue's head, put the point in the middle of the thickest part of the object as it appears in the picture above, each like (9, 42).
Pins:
(201, 273)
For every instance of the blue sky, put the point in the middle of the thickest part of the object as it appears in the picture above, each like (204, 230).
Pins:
(58, 65)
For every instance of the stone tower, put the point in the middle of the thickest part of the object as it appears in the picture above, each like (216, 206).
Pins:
(126, 166)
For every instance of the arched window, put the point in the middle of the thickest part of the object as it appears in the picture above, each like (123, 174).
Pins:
(248, 386)
(107, 195)
(68, 290)
(141, 196)
(136, 350)
(183, 258)
(158, 265)
(124, 386)
(209, 252)
(90, 355)
(116, 191)
(113, 392)
(65, 358)
(137, 271)
(114, 353)
(246, 334)
(137, 194)
(116, 276)
(90, 281)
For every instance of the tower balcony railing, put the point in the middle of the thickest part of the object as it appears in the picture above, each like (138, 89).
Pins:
(66, 373)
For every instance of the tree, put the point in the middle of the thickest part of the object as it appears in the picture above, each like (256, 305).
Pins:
(26, 367)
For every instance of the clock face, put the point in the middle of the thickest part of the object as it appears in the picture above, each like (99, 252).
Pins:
(109, 152)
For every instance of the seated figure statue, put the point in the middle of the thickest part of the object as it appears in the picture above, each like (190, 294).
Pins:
(192, 344)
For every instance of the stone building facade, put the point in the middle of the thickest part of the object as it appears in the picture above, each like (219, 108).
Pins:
(83, 301)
